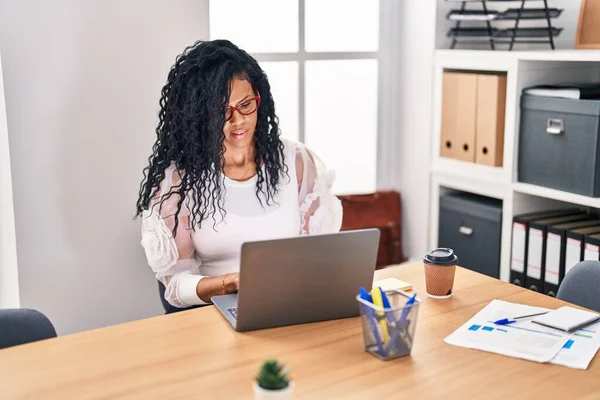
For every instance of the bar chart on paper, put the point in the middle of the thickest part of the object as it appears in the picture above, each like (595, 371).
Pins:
(580, 349)
(525, 339)
(486, 328)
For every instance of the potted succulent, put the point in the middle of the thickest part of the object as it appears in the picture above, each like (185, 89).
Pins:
(272, 382)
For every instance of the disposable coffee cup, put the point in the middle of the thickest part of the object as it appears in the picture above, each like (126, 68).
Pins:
(440, 265)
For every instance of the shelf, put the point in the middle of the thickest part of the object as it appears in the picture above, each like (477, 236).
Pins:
(473, 183)
(561, 55)
(480, 60)
(489, 189)
(471, 171)
(554, 194)
(447, 56)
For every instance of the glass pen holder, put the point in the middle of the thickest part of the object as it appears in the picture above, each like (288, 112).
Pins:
(389, 332)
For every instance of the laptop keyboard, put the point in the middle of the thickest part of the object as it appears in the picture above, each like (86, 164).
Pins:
(233, 312)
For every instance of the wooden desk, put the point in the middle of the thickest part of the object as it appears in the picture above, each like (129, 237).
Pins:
(196, 354)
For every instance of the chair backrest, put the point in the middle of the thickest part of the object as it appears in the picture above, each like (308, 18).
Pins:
(382, 210)
(23, 325)
(166, 305)
(169, 309)
(581, 284)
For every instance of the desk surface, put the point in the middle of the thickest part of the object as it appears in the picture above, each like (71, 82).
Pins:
(196, 353)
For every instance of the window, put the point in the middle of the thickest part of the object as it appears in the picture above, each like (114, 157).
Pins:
(322, 59)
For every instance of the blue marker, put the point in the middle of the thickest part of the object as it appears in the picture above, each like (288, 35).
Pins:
(384, 298)
(400, 329)
(365, 295)
(407, 308)
(506, 321)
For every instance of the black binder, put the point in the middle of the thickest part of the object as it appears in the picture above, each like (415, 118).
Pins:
(520, 238)
(536, 248)
(556, 241)
(575, 246)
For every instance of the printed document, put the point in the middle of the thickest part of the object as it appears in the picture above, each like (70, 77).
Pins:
(525, 339)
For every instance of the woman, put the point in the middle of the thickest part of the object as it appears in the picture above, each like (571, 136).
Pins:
(220, 175)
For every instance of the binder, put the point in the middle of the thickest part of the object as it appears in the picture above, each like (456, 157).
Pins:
(520, 240)
(575, 248)
(459, 110)
(489, 136)
(536, 250)
(592, 247)
(556, 239)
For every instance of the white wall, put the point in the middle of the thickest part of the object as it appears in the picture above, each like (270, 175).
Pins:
(413, 121)
(82, 82)
(9, 274)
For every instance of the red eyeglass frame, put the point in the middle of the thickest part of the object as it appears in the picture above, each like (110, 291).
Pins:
(237, 108)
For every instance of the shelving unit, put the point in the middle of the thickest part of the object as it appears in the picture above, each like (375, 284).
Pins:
(523, 69)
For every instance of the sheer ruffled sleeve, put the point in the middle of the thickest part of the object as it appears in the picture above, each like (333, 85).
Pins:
(320, 209)
(171, 258)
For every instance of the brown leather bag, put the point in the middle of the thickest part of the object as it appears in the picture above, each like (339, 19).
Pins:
(382, 210)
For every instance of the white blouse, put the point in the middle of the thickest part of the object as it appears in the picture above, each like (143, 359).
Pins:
(304, 205)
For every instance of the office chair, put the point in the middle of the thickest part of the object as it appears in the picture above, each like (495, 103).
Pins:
(23, 325)
(580, 285)
(169, 309)
(382, 210)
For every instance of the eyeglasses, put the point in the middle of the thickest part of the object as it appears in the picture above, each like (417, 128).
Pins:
(246, 108)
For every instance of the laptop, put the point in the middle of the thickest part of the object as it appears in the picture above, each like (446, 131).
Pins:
(301, 279)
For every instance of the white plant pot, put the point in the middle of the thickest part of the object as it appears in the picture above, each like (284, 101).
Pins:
(264, 394)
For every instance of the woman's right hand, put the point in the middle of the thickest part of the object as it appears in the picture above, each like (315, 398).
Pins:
(217, 285)
(231, 282)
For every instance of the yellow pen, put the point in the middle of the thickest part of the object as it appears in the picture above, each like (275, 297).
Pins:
(378, 301)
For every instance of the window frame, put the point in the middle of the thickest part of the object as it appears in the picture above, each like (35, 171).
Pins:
(385, 55)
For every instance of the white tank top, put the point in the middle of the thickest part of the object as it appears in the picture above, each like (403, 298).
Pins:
(218, 244)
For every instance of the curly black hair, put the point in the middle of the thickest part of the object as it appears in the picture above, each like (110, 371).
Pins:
(190, 131)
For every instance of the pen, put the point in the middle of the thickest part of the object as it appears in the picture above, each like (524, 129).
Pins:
(384, 298)
(365, 295)
(407, 308)
(371, 318)
(393, 330)
(506, 321)
(399, 329)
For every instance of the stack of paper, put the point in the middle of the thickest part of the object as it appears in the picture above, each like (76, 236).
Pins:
(458, 16)
(580, 349)
(567, 319)
(387, 284)
(525, 339)
(567, 91)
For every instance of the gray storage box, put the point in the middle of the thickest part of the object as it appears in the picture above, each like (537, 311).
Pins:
(559, 144)
(471, 226)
